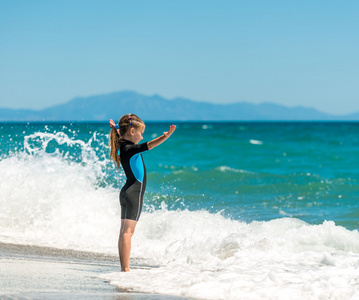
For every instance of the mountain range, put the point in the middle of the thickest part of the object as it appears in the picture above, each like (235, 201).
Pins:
(157, 108)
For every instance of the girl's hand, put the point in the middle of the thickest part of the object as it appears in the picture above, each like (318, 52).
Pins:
(159, 140)
(112, 123)
(170, 131)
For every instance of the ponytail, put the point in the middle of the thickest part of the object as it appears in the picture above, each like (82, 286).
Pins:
(114, 144)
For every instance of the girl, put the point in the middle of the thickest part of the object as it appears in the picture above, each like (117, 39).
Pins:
(125, 149)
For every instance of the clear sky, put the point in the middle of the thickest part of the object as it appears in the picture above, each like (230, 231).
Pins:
(287, 52)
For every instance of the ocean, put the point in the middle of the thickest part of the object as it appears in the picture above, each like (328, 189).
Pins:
(247, 210)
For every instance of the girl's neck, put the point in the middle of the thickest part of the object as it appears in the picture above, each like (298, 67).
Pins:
(128, 137)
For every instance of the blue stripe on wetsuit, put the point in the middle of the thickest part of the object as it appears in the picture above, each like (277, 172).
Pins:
(136, 164)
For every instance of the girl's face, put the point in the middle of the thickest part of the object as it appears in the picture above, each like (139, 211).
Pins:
(137, 135)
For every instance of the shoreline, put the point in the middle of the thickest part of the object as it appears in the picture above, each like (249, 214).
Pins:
(33, 272)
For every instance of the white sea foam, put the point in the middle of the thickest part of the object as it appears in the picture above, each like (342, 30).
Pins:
(229, 169)
(48, 200)
(255, 142)
(206, 256)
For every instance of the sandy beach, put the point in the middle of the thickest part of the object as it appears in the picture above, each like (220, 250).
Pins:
(29, 272)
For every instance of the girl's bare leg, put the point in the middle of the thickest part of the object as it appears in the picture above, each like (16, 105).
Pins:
(124, 243)
(120, 238)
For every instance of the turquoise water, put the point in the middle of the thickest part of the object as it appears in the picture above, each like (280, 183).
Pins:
(245, 171)
(232, 210)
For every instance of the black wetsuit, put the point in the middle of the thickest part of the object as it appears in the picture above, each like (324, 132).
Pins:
(131, 195)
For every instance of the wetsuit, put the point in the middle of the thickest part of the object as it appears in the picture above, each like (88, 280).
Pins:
(131, 195)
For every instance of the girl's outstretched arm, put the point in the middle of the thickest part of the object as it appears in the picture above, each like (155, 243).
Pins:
(155, 142)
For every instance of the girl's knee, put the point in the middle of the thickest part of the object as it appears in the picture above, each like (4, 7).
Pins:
(128, 233)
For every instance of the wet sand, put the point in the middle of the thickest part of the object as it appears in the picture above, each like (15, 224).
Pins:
(28, 272)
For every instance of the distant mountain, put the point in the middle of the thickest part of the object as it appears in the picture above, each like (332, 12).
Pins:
(157, 108)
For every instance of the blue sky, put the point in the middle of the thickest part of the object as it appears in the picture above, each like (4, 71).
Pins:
(286, 52)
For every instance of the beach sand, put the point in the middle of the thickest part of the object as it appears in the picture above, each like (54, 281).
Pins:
(30, 272)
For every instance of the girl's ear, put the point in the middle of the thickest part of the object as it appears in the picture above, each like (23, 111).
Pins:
(132, 130)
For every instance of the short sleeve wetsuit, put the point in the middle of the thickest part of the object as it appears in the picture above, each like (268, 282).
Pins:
(131, 195)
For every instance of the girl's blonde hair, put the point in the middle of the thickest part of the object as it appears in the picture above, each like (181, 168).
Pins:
(125, 123)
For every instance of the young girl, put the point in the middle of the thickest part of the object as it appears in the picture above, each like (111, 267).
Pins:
(125, 149)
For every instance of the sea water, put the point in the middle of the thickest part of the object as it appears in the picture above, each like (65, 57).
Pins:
(231, 211)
